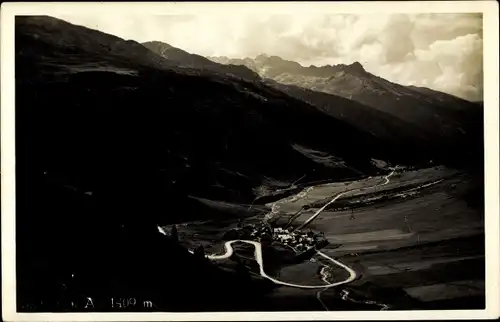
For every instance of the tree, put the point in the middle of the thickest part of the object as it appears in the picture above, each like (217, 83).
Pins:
(174, 233)
(199, 251)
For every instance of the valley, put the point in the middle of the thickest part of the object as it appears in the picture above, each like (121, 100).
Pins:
(418, 241)
(143, 170)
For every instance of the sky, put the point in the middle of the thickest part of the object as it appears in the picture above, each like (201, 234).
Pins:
(441, 51)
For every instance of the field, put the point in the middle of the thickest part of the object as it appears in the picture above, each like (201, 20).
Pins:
(416, 242)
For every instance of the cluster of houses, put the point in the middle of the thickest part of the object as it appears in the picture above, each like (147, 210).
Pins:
(298, 240)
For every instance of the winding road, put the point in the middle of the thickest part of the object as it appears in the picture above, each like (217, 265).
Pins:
(259, 260)
(318, 295)
(258, 249)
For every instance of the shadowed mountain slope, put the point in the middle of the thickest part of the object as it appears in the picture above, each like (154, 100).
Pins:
(112, 140)
(177, 55)
(398, 139)
(451, 127)
(419, 123)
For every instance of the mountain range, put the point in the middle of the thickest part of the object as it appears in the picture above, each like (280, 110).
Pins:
(114, 138)
(418, 122)
(409, 103)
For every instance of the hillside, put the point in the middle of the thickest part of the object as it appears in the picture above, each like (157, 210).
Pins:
(113, 140)
(397, 134)
(404, 132)
(99, 97)
(452, 127)
(364, 118)
(196, 61)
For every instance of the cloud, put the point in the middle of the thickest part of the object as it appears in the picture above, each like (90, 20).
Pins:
(453, 66)
(440, 51)
(460, 61)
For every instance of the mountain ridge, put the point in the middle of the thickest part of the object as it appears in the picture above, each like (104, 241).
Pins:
(296, 67)
(442, 117)
(197, 61)
(440, 120)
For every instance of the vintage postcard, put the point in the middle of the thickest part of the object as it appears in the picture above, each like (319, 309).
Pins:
(250, 161)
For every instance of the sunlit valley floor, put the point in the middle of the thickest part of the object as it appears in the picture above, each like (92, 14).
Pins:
(414, 243)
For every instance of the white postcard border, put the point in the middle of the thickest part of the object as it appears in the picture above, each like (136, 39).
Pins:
(491, 103)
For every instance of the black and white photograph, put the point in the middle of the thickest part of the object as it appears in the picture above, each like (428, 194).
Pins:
(198, 158)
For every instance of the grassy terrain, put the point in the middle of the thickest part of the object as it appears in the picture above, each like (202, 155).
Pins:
(423, 249)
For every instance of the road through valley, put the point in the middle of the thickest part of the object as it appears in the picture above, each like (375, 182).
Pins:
(259, 258)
